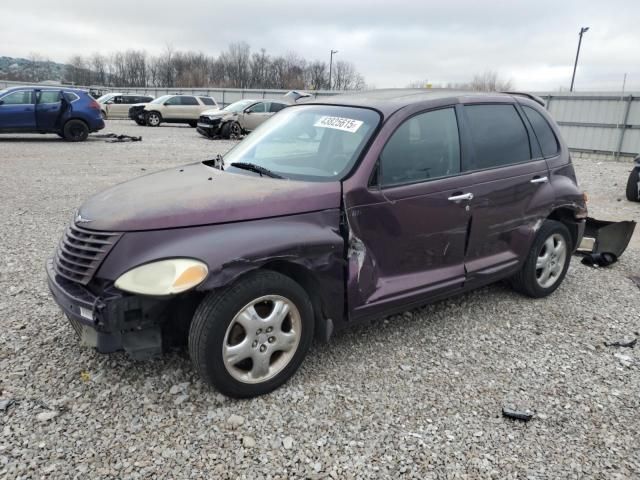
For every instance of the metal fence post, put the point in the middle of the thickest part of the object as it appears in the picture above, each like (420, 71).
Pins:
(624, 127)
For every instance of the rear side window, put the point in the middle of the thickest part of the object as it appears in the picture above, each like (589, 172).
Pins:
(544, 133)
(21, 97)
(189, 101)
(498, 134)
(49, 96)
(70, 96)
(207, 100)
(276, 107)
(425, 147)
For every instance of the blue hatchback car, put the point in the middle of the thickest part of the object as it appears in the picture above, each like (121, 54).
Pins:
(69, 112)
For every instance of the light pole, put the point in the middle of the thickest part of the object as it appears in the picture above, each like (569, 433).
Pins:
(575, 65)
(331, 66)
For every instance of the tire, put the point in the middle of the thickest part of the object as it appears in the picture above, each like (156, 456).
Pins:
(216, 327)
(539, 278)
(103, 114)
(633, 192)
(193, 124)
(75, 131)
(231, 129)
(153, 119)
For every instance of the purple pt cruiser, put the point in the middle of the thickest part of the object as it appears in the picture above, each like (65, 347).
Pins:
(329, 214)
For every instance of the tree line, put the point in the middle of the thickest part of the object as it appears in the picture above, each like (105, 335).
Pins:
(236, 67)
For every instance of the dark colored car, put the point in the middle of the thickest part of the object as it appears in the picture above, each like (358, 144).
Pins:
(331, 213)
(633, 182)
(71, 113)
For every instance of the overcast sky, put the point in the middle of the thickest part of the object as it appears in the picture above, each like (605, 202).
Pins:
(392, 42)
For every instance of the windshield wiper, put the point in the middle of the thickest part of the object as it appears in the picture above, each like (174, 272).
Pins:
(252, 167)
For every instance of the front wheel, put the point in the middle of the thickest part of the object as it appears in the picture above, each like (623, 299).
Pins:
(154, 119)
(231, 130)
(251, 338)
(547, 262)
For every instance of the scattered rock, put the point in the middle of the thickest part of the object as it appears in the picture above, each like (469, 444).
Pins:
(524, 415)
(46, 416)
(235, 420)
(624, 343)
(248, 442)
(181, 399)
(179, 388)
(287, 443)
(5, 403)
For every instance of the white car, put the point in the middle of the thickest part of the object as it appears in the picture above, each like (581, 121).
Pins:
(238, 118)
(116, 105)
(174, 109)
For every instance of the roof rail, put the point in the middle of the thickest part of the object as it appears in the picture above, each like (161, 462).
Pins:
(535, 98)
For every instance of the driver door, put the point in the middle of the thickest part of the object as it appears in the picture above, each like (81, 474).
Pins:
(408, 229)
(255, 115)
(17, 110)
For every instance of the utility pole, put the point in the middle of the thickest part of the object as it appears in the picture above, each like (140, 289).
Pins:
(331, 66)
(583, 30)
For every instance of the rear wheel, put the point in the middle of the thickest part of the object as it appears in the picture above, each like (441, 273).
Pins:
(547, 262)
(75, 131)
(251, 338)
(154, 119)
(633, 185)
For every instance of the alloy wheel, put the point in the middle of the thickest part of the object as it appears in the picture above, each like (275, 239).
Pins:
(262, 339)
(551, 260)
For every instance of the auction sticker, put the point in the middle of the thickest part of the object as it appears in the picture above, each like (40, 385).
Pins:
(339, 123)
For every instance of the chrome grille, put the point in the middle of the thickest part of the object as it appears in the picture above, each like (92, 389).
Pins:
(81, 251)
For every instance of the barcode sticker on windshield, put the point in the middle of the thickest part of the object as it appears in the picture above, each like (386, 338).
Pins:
(339, 123)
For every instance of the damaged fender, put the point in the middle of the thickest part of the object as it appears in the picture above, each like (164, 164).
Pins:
(312, 241)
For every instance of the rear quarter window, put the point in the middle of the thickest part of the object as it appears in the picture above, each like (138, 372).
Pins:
(499, 136)
(276, 107)
(207, 100)
(70, 96)
(543, 131)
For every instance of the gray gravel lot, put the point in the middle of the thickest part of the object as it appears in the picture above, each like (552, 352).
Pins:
(418, 395)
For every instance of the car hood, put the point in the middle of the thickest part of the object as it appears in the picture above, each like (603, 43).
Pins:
(197, 194)
(214, 112)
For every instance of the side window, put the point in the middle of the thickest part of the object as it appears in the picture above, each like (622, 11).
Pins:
(544, 133)
(189, 101)
(258, 108)
(498, 134)
(21, 97)
(207, 100)
(70, 96)
(128, 99)
(173, 101)
(49, 96)
(118, 99)
(276, 107)
(144, 99)
(424, 147)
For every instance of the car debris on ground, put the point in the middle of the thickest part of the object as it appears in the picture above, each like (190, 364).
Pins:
(522, 415)
(624, 343)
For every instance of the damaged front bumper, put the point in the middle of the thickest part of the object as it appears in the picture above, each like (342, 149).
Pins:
(209, 127)
(113, 321)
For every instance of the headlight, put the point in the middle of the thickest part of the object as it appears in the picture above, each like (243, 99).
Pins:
(165, 277)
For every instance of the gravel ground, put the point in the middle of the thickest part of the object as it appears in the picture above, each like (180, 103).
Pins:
(418, 395)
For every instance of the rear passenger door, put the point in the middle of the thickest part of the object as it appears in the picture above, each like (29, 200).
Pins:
(191, 108)
(509, 181)
(48, 109)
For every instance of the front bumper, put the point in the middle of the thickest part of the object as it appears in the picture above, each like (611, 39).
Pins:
(208, 127)
(137, 115)
(112, 321)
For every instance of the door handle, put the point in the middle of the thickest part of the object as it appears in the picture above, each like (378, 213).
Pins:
(464, 196)
(539, 180)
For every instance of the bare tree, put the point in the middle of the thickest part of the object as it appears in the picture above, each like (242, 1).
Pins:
(345, 77)
(317, 75)
(490, 82)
